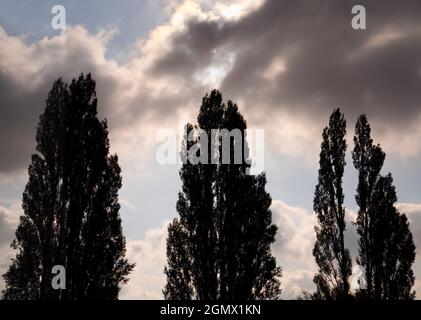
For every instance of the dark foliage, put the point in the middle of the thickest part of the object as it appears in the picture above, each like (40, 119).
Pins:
(386, 247)
(219, 247)
(71, 210)
(332, 258)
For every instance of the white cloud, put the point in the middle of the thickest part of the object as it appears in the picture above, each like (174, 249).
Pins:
(148, 279)
(293, 247)
(295, 237)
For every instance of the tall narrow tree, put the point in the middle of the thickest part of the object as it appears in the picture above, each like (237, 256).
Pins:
(179, 282)
(392, 247)
(332, 258)
(225, 226)
(386, 248)
(368, 160)
(71, 210)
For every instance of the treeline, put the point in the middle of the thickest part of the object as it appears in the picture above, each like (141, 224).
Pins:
(386, 250)
(219, 247)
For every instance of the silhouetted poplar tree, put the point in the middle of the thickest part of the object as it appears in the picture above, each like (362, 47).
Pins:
(368, 160)
(219, 247)
(386, 248)
(71, 210)
(179, 283)
(331, 256)
(392, 247)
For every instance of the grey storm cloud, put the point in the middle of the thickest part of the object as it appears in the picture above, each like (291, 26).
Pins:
(17, 125)
(315, 59)
(327, 64)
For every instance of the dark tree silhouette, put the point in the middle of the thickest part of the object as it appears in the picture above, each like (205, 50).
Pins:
(71, 210)
(368, 160)
(386, 247)
(331, 256)
(393, 249)
(219, 247)
(179, 282)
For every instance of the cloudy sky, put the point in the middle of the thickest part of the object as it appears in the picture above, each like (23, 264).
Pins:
(287, 64)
